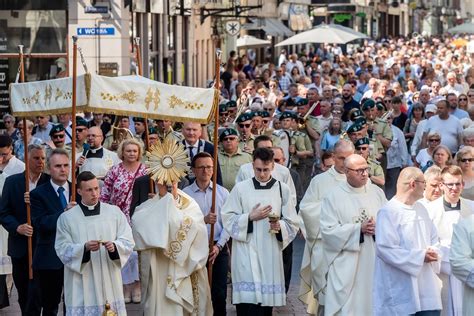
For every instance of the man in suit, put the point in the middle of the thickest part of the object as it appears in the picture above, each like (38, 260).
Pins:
(48, 202)
(13, 219)
(194, 144)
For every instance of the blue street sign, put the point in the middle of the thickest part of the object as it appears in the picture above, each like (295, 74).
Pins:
(96, 9)
(91, 31)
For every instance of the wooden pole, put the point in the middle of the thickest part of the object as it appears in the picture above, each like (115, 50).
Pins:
(216, 144)
(73, 136)
(140, 72)
(27, 169)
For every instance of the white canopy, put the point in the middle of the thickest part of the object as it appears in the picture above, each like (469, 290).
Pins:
(467, 28)
(127, 95)
(325, 33)
(251, 41)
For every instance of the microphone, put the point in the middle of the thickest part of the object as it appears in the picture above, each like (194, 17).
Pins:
(85, 149)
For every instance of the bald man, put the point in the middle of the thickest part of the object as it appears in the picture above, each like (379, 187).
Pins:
(348, 235)
(313, 267)
(97, 159)
(407, 262)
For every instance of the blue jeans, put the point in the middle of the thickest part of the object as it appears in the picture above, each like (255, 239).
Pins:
(428, 313)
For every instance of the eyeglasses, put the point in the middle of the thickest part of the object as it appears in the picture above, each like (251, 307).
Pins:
(434, 140)
(202, 168)
(452, 185)
(336, 112)
(387, 101)
(80, 130)
(360, 171)
(467, 159)
(229, 139)
(363, 148)
(462, 99)
(244, 125)
(268, 109)
(223, 114)
(57, 136)
(8, 122)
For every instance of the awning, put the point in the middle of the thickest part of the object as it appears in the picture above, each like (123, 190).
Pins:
(272, 27)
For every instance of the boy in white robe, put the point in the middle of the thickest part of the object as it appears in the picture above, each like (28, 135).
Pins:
(94, 241)
(312, 267)
(445, 212)
(461, 258)
(405, 281)
(171, 235)
(348, 234)
(258, 280)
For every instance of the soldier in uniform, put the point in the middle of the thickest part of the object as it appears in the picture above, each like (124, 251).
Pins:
(139, 123)
(244, 126)
(165, 130)
(231, 157)
(232, 110)
(379, 130)
(300, 149)
(257, 123)
(58, 139)
(224, 121)
(81, 135)
(376, 174)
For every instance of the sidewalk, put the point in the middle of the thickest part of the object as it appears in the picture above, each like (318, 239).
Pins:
(293, 307)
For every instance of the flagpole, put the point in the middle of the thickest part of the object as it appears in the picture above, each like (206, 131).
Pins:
(73, 136)
(27, 169)
(216, 143)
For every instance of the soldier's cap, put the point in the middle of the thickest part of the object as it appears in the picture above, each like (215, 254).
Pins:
(56, 129)
(355, 127)
(361, 120)
(288, 114)
(139, 120)
(80, 121)
(227, 132)
(361, 141)
(223, 107)
(355, 114)
(302, 102)
(257, 113)
(265, 113)
(231, 104)
(380, 106)
(152, 130)
(244, 117)
(368, 104)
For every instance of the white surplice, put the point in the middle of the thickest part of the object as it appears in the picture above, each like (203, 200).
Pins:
(172, 238)
(257, 265)
(404, 283)
(461, 258)
(313, 266)
(350, 261)
(100, 166)
(88, 285)
(451, 292)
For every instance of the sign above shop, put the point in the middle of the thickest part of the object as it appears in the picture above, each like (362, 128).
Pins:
(232, 27)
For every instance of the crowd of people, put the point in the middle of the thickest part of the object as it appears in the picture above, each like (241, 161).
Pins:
(368, 155)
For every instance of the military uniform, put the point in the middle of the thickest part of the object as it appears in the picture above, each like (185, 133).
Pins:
(174, 135)
(247, 144)
(375, 169)
(230, 165)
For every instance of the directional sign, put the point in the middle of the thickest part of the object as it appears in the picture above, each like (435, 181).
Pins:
(91, 31)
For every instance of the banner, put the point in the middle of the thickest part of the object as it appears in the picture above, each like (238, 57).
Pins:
(127, 95)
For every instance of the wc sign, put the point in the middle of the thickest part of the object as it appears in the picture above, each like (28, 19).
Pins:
(92, 31)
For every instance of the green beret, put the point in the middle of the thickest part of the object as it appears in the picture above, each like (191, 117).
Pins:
(257, 113)
(288, 114)
(231, 104)
(361, 120)
(355, 127)
(80, 121)
(152, 130)
(56, 129)
(139, 119)
(265, 113)
(223, 107)
(228, 132)
(244, 117)
(361, 141)
(355, 114)
(368, 104)
(302, 102)
(380, 106)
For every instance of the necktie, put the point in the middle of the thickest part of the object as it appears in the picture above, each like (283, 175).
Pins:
(191, 154)
(62, 198)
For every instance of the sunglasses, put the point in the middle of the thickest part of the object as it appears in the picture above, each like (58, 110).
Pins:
(462, 99)
(467, 160)
(387, 101)
(244, 125)
(8, 122)
(229, 139)
(80, 130)
(434, 140)
(363, 148)
(268, 109)
(57, 136)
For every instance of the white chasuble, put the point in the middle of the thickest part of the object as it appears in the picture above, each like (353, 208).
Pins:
(461, 258)
(451, 292)
(349, 255)
(87, 285)
(172, 239)
(313, 267)
(257, 265)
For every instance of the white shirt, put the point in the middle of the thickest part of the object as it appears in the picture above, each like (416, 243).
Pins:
(65, 186)
(449, 129)
(397, 153)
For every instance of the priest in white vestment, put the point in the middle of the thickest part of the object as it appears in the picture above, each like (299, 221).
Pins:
(313, 267)
(348, 233)
(445, 212)
(461, 258)
(94, 241)
(258, 281)
(407, 261)
(171, 235)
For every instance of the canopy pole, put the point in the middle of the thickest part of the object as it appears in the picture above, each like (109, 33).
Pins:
(73, 136)
(140, 72)
(216, 144)
(27, 169)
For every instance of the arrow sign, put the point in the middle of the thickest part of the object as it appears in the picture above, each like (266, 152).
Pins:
(92, 31)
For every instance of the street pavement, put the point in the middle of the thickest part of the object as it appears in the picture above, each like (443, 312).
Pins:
(293, 306)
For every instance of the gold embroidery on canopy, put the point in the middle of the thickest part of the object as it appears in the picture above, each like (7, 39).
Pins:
(175, 101)
(152, 96)
(130, 96)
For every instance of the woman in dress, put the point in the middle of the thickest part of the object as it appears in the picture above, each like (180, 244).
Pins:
(117, 190)
(465, 160)
(424, 159)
